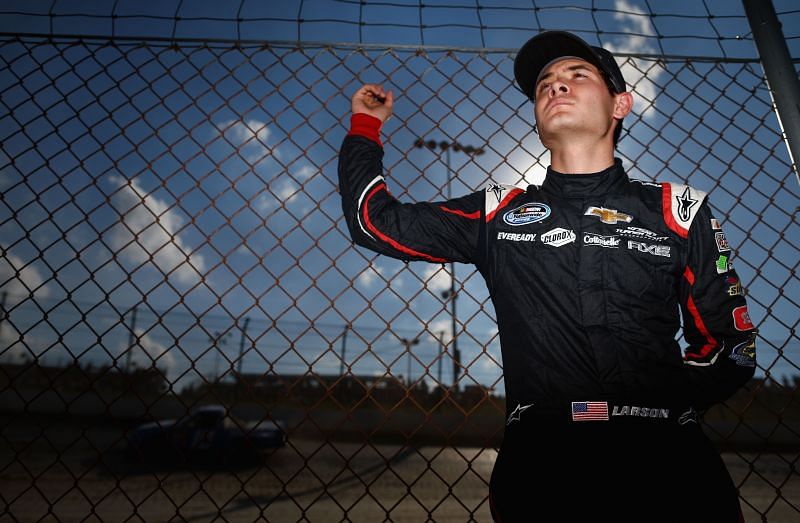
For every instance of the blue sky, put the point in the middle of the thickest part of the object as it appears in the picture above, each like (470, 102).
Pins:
(199, 185)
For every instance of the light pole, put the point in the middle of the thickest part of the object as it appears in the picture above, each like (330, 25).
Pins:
(219, 340)
(241, 350)
(441, 357)
(408, 344)
(446, 146)
(344, 347)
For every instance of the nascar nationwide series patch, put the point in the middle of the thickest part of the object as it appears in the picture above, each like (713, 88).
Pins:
(527, 213)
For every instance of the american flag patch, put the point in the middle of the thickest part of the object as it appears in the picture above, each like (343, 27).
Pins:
(589, 411)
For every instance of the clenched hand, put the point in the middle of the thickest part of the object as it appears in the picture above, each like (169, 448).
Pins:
(371, 99)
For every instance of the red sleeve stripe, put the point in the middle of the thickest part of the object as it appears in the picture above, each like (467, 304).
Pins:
(666, 209)
(510, 196)
(711, 343)
(689, 275)
(386, 239)
(471, 216)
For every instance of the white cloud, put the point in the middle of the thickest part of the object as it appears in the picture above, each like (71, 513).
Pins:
(370, 276)
(304, 172)
(640, 75)
(155, 227)
(265, 203)
(437, 279)
(494, 363)
(251, 135)
(535, 174)
(148, 353)
(285, 192)
(18, 280)
(441, 329)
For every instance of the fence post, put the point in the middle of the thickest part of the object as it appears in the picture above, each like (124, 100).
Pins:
(344, 348)
(132, 340)
(781, 75)
(241, 350)
(2, 311)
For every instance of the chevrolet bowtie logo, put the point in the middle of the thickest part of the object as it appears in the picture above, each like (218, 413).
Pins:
(608, 215)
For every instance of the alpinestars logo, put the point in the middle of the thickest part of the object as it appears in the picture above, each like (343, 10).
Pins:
(690, 416)
(685, 204)
(515, 416)
(498, 191)
(610, 216)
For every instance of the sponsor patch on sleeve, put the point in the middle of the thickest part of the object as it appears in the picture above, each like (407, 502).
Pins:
(715, 224)
(744, 354)
(735, 289)
(723, 265)
(741, 319)
(722, 242)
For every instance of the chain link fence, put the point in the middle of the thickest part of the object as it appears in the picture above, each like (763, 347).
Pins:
(173, 249)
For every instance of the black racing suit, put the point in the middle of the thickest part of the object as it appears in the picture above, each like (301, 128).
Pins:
(587, 274)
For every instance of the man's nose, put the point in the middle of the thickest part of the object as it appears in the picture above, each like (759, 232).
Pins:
(558, 87)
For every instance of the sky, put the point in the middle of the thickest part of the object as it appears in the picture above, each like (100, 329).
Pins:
(197, 185)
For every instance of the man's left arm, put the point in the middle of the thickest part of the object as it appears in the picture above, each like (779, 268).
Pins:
(721, 354)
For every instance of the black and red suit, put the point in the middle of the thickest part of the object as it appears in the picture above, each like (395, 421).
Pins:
(589, 275)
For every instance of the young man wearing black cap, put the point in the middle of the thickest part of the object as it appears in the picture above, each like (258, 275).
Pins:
(587, 273)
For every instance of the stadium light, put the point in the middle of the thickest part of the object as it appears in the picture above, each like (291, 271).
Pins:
(421, 143)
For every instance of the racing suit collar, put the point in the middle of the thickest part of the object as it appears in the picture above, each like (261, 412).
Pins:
(582, 185)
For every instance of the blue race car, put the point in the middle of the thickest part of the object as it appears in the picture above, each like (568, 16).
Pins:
(207, 433)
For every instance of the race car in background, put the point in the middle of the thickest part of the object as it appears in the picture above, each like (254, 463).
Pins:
(207, 433)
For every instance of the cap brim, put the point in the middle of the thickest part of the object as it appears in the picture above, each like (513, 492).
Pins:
(542, 49)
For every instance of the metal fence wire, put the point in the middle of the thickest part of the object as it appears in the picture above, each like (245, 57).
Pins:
(174, 249)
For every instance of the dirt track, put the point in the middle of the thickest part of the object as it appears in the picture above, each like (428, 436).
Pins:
(72, 473)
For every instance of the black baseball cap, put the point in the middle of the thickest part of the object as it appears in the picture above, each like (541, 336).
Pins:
(542, 49)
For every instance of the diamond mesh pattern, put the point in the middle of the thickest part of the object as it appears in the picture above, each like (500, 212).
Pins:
(172, 237)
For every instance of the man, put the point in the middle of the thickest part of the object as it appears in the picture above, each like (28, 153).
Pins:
(589, 274)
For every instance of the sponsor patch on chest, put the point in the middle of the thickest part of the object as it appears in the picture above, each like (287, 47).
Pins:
(640, 233)
(610, 216)
(653, 249)
(527, 213)
(516, 236)
(598, 240)
(558, 237)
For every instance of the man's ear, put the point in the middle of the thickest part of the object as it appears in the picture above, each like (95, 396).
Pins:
(623, 104)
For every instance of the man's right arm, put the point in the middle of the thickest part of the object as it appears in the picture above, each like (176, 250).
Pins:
(433, 232)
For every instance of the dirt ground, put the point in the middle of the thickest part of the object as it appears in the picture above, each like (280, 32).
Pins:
(68, 472)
